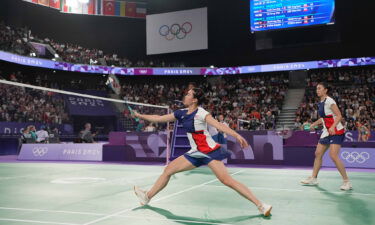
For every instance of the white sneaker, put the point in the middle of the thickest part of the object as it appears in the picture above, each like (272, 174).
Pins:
(142, 195)
(346, 186)
(310, 181)
(265, 209)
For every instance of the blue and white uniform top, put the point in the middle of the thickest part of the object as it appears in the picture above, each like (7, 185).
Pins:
(326, 113)
(196, 127)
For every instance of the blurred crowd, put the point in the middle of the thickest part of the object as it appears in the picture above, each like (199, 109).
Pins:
(248, 102)
(44, 135)
(16, 40)
(18, 104)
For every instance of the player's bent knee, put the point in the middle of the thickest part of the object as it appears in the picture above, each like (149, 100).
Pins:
(227, 181)
(168, 172)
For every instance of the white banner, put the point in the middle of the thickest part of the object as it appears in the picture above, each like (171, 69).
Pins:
(177, 31)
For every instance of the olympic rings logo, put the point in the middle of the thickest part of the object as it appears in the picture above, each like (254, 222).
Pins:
(352, 157)
(40, 151)
(175, 31)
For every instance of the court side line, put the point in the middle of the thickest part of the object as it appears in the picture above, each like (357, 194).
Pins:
(156, 200)
(101, 214)
(52, 211)
(166, 219)
(36, 221)
(296, 190)
(44, 174)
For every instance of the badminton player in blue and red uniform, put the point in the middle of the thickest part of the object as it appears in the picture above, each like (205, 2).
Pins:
(332, 137)
(204, 150)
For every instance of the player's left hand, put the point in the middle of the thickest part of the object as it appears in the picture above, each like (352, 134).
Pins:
(331, 131)
(243, 143)
(134, 114)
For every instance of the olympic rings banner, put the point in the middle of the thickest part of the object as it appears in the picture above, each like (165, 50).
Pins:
(353, 158)
(177, 31)
(71, 152)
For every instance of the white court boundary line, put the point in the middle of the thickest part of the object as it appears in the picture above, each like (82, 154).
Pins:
(106, 216)
(159, 199)
(102, 214)
(117, 214)
(44, 174)
(176, 220)
(36, 221)
(52, 211)
(297, 190)
(65, 171)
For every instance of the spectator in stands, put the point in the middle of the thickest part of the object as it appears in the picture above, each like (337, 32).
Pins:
(269, 120)
(54, 136)
(254, 123)
(86, 135)
(140, 126)
(26, 135)
(42, 135)
(32, 132)
(364, 132)
(221, 137)
(297, 123)
(150, 128)
(255, 114)
(306, 125)
(372, 125)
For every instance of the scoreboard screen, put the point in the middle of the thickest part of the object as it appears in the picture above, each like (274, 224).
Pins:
(280, 14)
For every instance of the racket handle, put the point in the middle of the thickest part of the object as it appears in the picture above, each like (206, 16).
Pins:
(132, 112)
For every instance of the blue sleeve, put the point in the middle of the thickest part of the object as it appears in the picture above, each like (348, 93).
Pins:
(178, 114)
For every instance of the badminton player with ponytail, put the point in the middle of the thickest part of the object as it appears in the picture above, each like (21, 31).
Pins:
(332, 137)
(204, 150)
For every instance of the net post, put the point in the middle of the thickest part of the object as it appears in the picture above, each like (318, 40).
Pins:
(168, 141)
